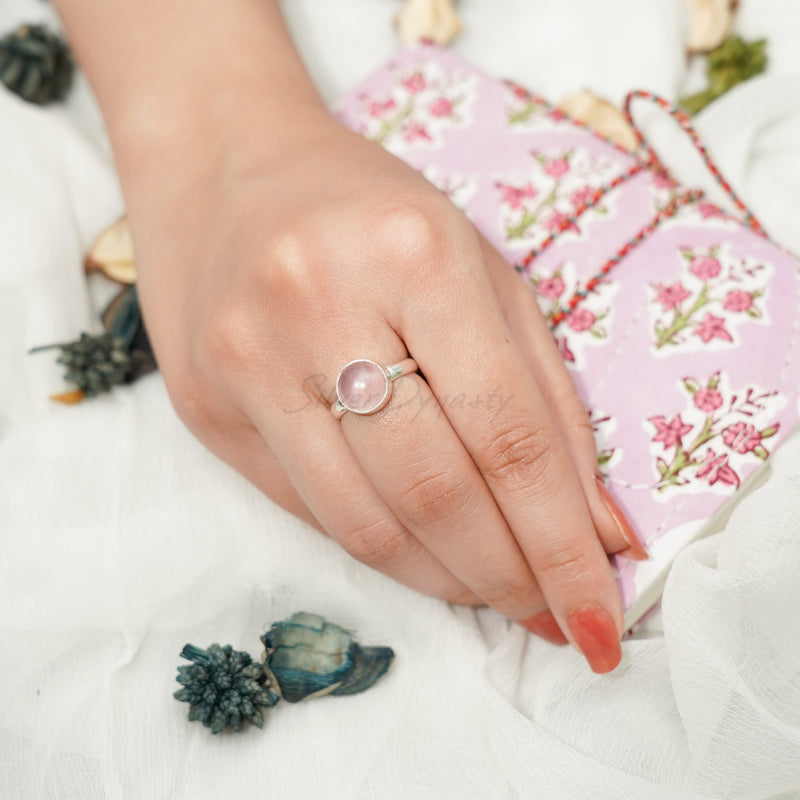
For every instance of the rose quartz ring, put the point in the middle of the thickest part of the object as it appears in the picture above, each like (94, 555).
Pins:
(365, 387)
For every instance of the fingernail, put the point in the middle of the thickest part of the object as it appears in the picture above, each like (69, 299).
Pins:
(544, 624)
(635, 548)
(596, 636)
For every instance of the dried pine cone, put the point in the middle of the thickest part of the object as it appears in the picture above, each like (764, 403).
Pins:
(94, 364)
(36, 64)
(224, 687)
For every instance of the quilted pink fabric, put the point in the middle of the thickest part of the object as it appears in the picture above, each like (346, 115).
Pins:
(685, 351)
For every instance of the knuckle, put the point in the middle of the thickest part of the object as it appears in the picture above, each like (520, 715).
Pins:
(521, 457)
(434, 497)
(418, 230)
(575, 417)
(511, 595)
(229, 339)
(374, 543)
(565, 564)
(191, 403)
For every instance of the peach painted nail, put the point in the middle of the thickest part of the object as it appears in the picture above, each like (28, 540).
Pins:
(635, 548)
(596, 636)
(544, 624)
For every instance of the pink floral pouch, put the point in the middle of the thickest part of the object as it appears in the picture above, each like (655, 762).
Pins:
(679, 322)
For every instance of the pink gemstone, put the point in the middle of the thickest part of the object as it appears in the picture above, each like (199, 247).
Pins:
(362, 386)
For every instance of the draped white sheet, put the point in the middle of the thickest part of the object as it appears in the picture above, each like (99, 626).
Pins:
(121, 538)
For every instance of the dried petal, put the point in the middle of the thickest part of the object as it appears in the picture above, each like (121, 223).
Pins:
(710, 21)
(428, 19)
(112, 253)
(602, 117)
(69, 398)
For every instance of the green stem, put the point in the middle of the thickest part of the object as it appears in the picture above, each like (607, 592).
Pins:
(667, 336)
(389, 126)
(523, 115)
(683, 458)
(529, 217)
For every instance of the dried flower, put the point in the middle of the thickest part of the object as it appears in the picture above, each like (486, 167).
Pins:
(95, 363)
(733, 62)
(35, 64)
(428, 19)
(309, 656)
(224, 688)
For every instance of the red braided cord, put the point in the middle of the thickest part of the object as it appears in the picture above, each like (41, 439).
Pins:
(665, 213)
(683, 120)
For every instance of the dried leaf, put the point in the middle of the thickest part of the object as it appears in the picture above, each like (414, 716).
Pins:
(69, 398)
(710, 21)
(428, 19)
(112, 254)
(602, 117)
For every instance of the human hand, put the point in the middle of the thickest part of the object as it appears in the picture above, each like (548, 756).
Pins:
(266, 269)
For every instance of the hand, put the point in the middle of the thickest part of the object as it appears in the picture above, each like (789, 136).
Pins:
(273, 247)
(262, 273)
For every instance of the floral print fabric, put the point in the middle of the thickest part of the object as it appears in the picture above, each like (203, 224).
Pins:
(684, 352)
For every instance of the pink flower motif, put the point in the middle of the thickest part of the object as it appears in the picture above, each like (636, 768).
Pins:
(705, 267)
(519, 92)
(737, 300)
(550, 287)
(707, 400)
(415, 82)
(377, 108)
(514, 196)
(670, 433)
(709, 210)
(563, 348)
(416, 131)
(671, 296)
(556, 114)
(581, 197)
(741, 437)
(556, 167)
(441, 107)
(559, 221)
(662, 181)
(580, 319)
(717, 469)
(712, 328)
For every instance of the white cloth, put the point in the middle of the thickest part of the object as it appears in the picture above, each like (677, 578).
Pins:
(121, 538)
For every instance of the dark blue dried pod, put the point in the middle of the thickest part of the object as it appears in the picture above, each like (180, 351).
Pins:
(309, 656)
(224, 688)
(35, 64)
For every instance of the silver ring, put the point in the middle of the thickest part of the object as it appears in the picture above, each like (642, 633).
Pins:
(365, 387)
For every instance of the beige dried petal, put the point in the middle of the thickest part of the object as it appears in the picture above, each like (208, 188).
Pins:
(112, 253)
(710, 21)
(428, 19)
(602, 117)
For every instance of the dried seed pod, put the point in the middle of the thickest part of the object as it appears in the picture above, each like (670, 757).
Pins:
(95, 363)
(35, 64)
(224, 688)
(428, 19)
(710, 21)
(309, 656)
(112, 253)
(602, 117)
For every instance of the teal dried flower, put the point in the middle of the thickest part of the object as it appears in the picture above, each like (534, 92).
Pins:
(224, 688)
(95, 363)
(309, 656)
(35, 64)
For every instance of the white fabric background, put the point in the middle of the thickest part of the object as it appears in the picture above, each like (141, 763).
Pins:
(121, 538)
